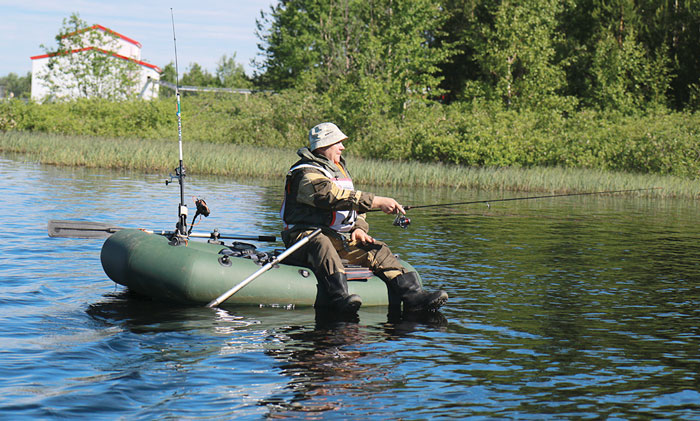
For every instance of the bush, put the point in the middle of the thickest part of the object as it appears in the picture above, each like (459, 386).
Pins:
(474, 134)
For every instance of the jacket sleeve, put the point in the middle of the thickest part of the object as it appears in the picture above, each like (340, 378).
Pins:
(315, 189)
(361, 223)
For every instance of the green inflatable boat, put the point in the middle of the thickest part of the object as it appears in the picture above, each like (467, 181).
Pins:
(199, 272)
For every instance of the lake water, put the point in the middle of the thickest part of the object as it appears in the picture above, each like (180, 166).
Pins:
(572, 307)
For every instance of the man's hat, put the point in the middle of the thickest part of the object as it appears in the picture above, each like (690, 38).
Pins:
(325, 134)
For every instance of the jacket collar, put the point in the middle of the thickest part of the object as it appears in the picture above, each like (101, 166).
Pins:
(306, 155)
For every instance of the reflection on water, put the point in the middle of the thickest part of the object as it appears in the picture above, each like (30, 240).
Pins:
(577, 307)
(316, 354)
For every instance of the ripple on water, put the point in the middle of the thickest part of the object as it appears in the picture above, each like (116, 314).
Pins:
(564, 308)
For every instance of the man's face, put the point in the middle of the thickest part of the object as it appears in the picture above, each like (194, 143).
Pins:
(333, 152)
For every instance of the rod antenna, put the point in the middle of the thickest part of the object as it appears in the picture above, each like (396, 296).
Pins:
(180, 171)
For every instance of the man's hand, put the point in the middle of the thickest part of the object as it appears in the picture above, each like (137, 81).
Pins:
(361, 237)
(387, 205)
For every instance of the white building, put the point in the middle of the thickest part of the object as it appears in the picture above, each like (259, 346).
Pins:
(121, 48)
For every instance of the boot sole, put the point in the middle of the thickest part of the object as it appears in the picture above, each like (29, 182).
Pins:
(431, 306)
(352, 307)
(437, 304)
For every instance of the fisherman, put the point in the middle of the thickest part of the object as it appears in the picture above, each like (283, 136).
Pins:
(319, 193)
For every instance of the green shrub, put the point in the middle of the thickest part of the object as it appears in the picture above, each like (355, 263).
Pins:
(478, 134)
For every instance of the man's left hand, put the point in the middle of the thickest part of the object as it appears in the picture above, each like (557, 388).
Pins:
(361, 237)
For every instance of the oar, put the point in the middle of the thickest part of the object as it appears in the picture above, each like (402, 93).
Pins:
(225, 296)
(87, 229)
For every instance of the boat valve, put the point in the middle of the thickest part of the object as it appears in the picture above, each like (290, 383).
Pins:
(225, 260)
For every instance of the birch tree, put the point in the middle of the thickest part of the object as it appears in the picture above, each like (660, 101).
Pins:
(85, 64)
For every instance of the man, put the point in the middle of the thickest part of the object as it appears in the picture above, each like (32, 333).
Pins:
(319, 193)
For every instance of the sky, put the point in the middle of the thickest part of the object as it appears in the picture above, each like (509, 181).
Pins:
(205, 30)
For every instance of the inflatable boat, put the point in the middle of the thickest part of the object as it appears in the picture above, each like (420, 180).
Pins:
(199, 272)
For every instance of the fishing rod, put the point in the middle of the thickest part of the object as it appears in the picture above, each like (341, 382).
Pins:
(403, 221)
(181, 226)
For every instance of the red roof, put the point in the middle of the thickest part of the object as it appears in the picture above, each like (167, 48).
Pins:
(109, 31)
(140, 62)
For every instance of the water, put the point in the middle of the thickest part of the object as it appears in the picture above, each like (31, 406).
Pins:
(576, 307)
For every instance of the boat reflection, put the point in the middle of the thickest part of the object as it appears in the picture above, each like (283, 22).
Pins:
(318, 358)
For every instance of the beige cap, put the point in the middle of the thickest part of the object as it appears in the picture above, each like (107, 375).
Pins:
(325, 134)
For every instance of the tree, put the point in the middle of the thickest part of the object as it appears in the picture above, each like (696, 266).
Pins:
(17, 86)
(625, 77)
(168, 75)
(672, 28)
(198, 76)
(515, 43)
(366, 55)
(230, 74)
(85, 64)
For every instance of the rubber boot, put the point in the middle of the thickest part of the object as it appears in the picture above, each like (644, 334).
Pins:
(335, 288)
(414, 297)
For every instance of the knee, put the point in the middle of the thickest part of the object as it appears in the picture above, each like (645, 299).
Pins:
(321, 251)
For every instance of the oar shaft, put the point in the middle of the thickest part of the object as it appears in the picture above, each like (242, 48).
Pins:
(87, 229)
(268, 238)
(226, 295)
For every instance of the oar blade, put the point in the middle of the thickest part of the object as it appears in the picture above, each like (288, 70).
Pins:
(81, 229)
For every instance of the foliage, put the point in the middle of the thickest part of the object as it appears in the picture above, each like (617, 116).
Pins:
(229, 74)
(641, 53)
(480, 134)
(481, 83)
(85, 66)
(515, 48)
(624, 78)
(197, 76)
(368, 57)
(254, 161)
(15, 86)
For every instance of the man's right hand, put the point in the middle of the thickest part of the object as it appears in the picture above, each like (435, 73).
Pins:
(387, 205)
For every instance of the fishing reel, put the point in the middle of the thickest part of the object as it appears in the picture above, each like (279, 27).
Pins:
(402, 221)
(177, 175)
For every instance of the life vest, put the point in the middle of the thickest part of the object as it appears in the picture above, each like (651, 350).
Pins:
(342, 220)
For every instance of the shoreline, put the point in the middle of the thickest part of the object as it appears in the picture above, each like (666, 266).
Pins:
(235, 160)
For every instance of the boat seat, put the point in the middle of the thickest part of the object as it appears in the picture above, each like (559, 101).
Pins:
(357, 273)
(353, 272)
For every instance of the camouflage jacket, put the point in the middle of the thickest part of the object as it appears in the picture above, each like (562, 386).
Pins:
(319, 193)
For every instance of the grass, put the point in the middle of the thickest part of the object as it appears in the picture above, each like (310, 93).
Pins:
(245, 161)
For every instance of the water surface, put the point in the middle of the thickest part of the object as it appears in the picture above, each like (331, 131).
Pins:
(576, 307)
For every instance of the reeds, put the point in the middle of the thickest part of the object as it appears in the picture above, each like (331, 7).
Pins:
(245, 161)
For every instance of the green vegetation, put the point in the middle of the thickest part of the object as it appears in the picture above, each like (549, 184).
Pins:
(229, 74)
(622, 55)
(264, 162)
(95, 73)
(463, 91)
(482, 135)
(14, 86)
